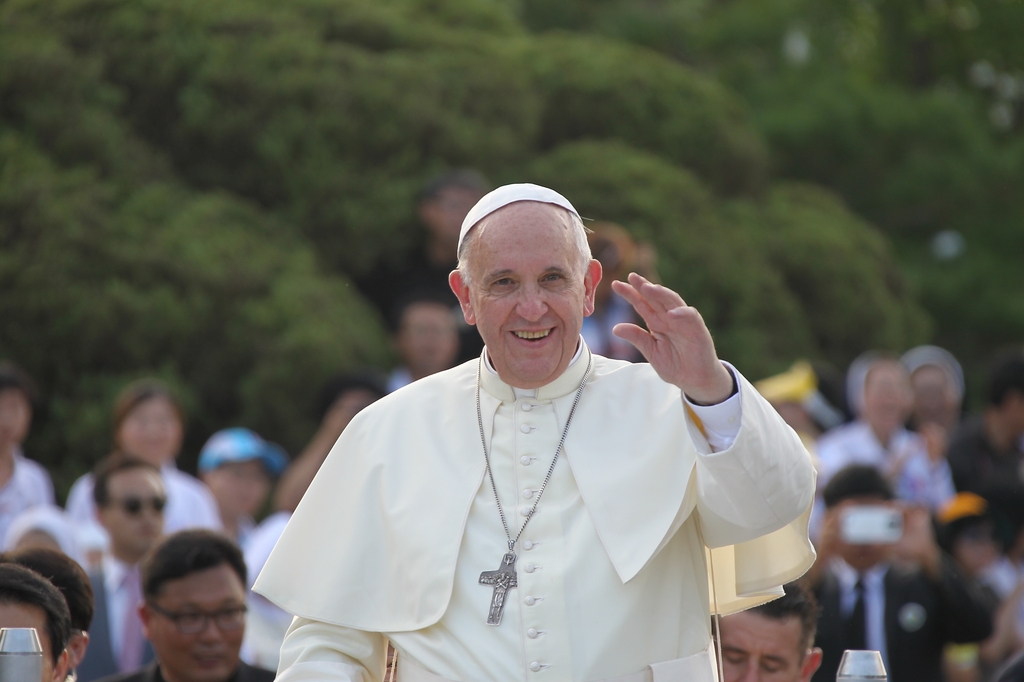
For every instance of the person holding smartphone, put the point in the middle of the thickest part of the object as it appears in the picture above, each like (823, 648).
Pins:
(884, 584)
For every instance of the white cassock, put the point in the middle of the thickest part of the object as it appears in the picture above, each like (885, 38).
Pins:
(390, 540)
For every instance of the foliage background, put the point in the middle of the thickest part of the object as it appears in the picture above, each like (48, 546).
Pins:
(187, 188)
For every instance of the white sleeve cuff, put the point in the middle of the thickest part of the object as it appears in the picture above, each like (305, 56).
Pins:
(722, 421)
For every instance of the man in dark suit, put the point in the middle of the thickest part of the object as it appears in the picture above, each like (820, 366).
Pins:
(901, 597)
(130, 498)
(193, 612)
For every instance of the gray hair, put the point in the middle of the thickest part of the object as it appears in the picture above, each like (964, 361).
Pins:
(579, 238)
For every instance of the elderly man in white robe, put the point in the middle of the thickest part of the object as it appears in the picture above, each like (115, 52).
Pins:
(543, 513)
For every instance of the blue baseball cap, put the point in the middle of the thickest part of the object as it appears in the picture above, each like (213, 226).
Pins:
(241, 445)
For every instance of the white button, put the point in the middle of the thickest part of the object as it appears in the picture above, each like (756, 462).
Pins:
(525, 511)
(527, 545)
(525, 460)
(535, 667)
(529, 568)
(732, 420)
(527, 493)
(532, 633)
(527, 407)
(525, 428)
(529, 601)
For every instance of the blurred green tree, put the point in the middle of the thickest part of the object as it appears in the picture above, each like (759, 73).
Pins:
(185, 189)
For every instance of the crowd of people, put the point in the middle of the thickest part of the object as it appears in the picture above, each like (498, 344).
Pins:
(147, 571)
(919, 517)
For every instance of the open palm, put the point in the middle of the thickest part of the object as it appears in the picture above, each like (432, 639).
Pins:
(676, 342)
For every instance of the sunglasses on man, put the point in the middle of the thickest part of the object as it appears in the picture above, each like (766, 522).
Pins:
(134, 506)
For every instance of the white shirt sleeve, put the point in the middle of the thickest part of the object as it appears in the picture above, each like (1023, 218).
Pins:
(721, 421)
(314, 651)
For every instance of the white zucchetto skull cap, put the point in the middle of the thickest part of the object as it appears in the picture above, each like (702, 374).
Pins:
(510, 194)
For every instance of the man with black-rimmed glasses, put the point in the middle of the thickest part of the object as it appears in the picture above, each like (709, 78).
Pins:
(193, 612)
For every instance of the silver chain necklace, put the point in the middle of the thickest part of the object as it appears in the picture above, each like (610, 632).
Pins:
(504, 579)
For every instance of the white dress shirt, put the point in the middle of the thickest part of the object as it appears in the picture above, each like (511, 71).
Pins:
(114, 572)
(29, 486)
(904, 458)
(873, 581)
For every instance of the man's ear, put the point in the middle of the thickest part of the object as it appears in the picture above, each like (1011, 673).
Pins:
(60, 671)
(76, 649)
(461, 289)
(812, 661)
(146, 616)
(591, 278)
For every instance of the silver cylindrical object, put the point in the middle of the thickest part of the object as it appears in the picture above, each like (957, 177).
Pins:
(21, 656)
(861, 666)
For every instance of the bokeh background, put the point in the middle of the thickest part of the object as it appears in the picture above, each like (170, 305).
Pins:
(188, 188)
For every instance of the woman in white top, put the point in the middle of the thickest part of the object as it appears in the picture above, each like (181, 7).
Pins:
(149, 425)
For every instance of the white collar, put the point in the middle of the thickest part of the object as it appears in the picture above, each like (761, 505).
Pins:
(114, 572)
(531, 392)
(873, 577)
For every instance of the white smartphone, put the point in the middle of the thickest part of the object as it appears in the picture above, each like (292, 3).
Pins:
(872, 525)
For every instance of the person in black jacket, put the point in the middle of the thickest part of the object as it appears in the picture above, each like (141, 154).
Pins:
(905, 599)
(193, 612)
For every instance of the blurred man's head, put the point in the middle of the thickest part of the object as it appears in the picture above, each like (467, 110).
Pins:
(968, 532)
(426, 335)
(27, 600)
(772, 642)
(16, 394)
(855, 487)
(239, 466)
(1006, 393)
(66, 575)
(444, 203)
(194, 583)
(888, 397)
(130, 501)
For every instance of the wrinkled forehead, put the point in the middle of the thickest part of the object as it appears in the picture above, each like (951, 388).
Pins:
(522, 230)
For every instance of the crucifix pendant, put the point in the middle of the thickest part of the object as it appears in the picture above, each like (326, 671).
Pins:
(503, 580)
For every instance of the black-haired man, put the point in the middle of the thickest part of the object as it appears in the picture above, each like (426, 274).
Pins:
(985, 452)
(27, 600)
(194, 611)
(886, 590)
(773, 641)
(130, 499)
(66, 575)
(443, 204)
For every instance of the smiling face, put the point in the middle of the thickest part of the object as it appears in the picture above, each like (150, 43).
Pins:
(207, 656)
(528, 291)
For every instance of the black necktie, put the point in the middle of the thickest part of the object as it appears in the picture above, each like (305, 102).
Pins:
(855, 626)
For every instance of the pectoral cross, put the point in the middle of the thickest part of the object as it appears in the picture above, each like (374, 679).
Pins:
(503, 580)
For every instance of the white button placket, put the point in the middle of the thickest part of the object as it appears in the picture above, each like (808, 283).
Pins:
(537, 432)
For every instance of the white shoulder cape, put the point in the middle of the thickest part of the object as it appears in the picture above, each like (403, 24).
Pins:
(374, 542)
